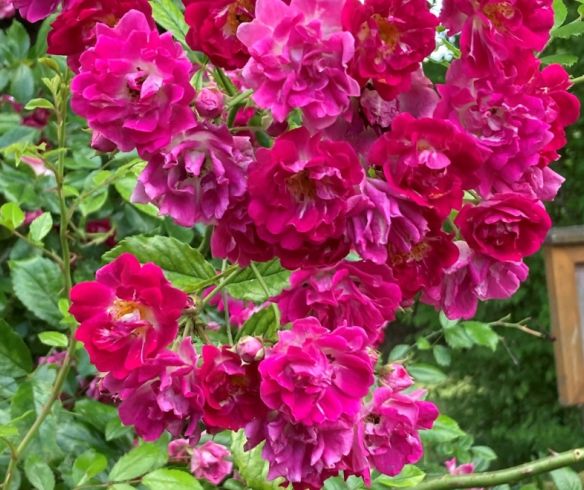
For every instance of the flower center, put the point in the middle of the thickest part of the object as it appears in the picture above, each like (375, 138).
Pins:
(128, 310)
(417, 253)
(238, 12)
(499, 12)
(388, 32)
(301, 186)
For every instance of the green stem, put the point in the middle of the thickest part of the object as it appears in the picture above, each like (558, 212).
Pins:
(61, 101)
(260, 279)
(224, 282)
(509, 475)
(40, 247)
(577, 80)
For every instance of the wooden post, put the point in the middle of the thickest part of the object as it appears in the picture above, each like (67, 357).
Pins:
(564, 259)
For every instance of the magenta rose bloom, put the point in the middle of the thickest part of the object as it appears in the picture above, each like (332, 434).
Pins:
(127, 315)
(298, 197)
(306, 455)
(498, 29)
(162, 394)
(429, 161)
(134, 87)
(506, 227)
(73, 31)
(360, 294)
(198, 176)
(392, 38)
(210, 461)
(231, 389)
(472, 278)
(299, 56)
(35, 10)
(312, 375)
(390, 430)
(213, 27)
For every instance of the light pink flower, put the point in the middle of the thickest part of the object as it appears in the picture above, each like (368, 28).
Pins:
(464, 469)
(299, 57)
(6, 9)
(134, 85)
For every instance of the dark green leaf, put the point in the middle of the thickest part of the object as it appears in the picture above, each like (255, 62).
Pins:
(426, 373)
(39, 473)
(457, 338)
(247, 287)
(481, 334)
(15, 358)
(38, 284)
(442, 355)
(562, 59)
(139, 461)
(399, 353)
(165, 479)
(22, 84)
(264, 323)
(575, 28)
(183, 265)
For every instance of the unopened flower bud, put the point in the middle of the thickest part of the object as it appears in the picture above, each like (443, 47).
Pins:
(250, 349)
(209, 102)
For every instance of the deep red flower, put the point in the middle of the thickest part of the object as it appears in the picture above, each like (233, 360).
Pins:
(73, 31)
(506, 227)
(213, 27)
(127, 315)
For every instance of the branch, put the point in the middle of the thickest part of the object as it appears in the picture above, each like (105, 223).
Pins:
(509, 475)
(577, 80)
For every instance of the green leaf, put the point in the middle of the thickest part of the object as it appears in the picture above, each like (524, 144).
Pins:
(39, 104)
(566, 479)
(399, 352)
(575, 28)
(481, 334)
(125, 187)
(40, 227)
(11, 216)
(88, 465)
(251, 466)
(426, 373)
(115, 429)
(38, 283)
(168, 15)
(339, 483)
(560, 13)
(444, 430)
(20, 40)
(183, 265)
(264, 323)
(422, 343)
(442, 355)
(247, 287)
(22, 83)
(139, 461)
(562, 59)
(96, 186)
(410, 476)
(457, 338)
(165, 479)
(15, 358)
(39, 473)
(445, 322)
(54, 339)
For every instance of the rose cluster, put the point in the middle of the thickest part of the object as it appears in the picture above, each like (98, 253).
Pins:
(311, 398)
(310, 133)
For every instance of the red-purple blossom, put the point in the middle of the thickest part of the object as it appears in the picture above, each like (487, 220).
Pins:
(298, 197)
(210, 461)
(360, 294)
(127, 315)
(392, 38)
(312, 375)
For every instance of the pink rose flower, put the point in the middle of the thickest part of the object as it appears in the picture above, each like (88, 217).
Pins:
(231, 389)
(209, 102)
(134, 85)
(299, 58)
(463, 469)
(471, 278)
(429, 161)
(213, 26)
(298, 197)
(506, 227)
(210, 461)
(127, 315)
(392, 38)
(360, 294)
(312, 375)
(390, 430)
(162, 394)
(198, 176)
(7, 9)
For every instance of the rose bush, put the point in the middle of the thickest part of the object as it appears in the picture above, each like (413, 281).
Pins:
(218, 209)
